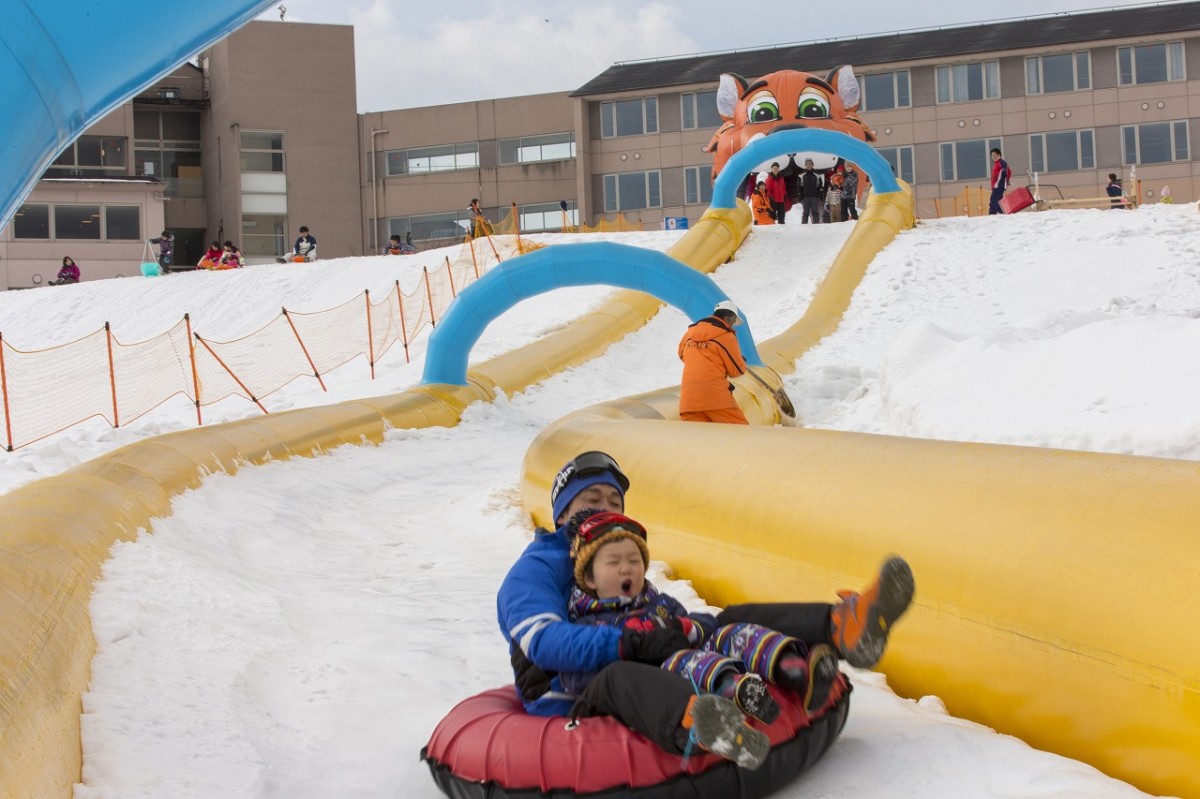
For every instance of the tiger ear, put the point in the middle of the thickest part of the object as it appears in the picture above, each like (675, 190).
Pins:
(842, 79)
(728, 92)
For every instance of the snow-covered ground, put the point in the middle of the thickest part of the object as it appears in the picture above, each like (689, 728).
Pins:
(298, 629)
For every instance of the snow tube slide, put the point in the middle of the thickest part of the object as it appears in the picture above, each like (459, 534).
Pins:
(487, 747)
(59, 530)
(61, 74)
(1051, 600)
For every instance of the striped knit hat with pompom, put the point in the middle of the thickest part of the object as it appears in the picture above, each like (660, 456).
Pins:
(591, 529)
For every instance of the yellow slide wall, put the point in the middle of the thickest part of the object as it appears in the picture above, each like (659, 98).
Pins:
(58, 531)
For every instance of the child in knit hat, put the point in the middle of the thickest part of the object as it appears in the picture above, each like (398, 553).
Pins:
(611, 554)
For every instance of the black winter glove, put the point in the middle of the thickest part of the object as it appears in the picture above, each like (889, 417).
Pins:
(652, 646)
(532, 682)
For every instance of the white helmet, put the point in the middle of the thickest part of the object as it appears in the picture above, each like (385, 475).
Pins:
(727, 305)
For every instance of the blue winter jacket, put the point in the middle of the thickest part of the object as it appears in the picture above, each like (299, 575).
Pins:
(531, 607)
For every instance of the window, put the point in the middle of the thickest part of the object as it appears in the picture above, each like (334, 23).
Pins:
(963, 83)
(122, 223)
(901, 161)
(430, 226)
(700, 110)
(531, 149)
(1155, 143)
(440, 158)
(628, 117)
(78, 222)
(262, 152)
(697, 185)
(1065, 151)
(32, 222)
(888, 90)
(548, 216)
(264, 235)
(632, 191)
(1150, 63)
(967, 160)
(95, 156)
(1065, 72)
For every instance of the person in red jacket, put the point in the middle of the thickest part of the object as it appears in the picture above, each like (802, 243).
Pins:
(711, 355)
(777, 191)
(1001, 175)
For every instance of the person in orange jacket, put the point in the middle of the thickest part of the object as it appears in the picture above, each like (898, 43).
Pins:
(711, 355)
(760, 203)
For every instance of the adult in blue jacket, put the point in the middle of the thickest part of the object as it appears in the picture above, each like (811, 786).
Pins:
(532, 611)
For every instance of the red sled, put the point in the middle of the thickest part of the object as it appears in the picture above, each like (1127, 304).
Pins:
(1016, 200)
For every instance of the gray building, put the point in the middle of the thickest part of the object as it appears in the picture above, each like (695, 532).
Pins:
(256, 138)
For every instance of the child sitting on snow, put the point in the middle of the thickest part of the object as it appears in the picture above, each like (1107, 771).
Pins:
(611, 556)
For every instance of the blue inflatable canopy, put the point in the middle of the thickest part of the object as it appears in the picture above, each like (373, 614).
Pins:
(64, 64)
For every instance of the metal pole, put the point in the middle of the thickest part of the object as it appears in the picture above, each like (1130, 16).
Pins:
(374, 196)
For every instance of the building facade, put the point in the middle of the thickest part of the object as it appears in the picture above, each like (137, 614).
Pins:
(257, 138)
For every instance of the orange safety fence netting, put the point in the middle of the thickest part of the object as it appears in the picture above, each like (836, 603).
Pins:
(50, 390)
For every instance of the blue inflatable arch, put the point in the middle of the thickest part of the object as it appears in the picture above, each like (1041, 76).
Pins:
(600, 263)
(794, 141)
(67, 63)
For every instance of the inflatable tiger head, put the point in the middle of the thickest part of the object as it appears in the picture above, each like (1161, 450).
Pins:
(785, 100)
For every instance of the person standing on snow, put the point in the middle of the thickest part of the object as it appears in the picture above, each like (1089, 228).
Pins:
(1001, 175)
(778, 192)
(711, 355)
(166, 250)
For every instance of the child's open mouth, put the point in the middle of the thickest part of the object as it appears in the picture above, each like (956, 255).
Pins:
(626, 586)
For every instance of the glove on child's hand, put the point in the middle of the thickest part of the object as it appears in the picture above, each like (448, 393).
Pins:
(652, 646)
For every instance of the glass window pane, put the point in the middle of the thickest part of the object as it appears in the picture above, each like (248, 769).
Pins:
(1083, 70)
(947, 162)
(654, 199)
(112, 152)
(688, 103)
(397, 162)
(704, 179)
(32, 222)
(691, 192)
(959, 81)
(629, 118)
(611, 201)
(87, 151)
(508, 150)
(1150, 63)
(1175, 60)
(1062, 151)
(121, 222)
(943, 84)
(185, 126)
(1129, 138)
(879, 92)
(1032, 83)
(77, 222)
(631, 187)
(1155, 141)
(906, 165)
(971, 160)
(651, 115)
(147, 162)
(262, 141)
(1087, 150)
(1058, 73)
(707, 115)
(262, 162)
(1037, 154)
(1181, 141)
(992, 70)
(145, 124)
(975, 90)
(1125, 66)
(902, 94)
(607, 125)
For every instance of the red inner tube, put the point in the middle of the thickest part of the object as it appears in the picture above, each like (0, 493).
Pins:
(487, 747)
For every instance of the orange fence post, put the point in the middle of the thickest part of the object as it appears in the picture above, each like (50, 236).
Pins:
(4, 393)
(370, 334)
(450, 276)
(304, 349)
(403, 327)
(474, 263)
(517, 226)
(429, 296)
(187, 319)
(249, 393)
(112, 376)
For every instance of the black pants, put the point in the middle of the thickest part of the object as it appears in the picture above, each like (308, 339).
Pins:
(642, 697)
(994, 202)
(780, 211)
(850, 208)
(812, 208)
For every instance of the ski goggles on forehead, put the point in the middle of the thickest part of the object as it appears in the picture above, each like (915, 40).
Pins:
(598, 524)
(586, 465)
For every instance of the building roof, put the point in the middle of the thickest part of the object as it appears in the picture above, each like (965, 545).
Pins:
(1038, 32)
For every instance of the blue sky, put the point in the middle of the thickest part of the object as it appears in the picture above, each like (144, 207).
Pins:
(421, 54)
